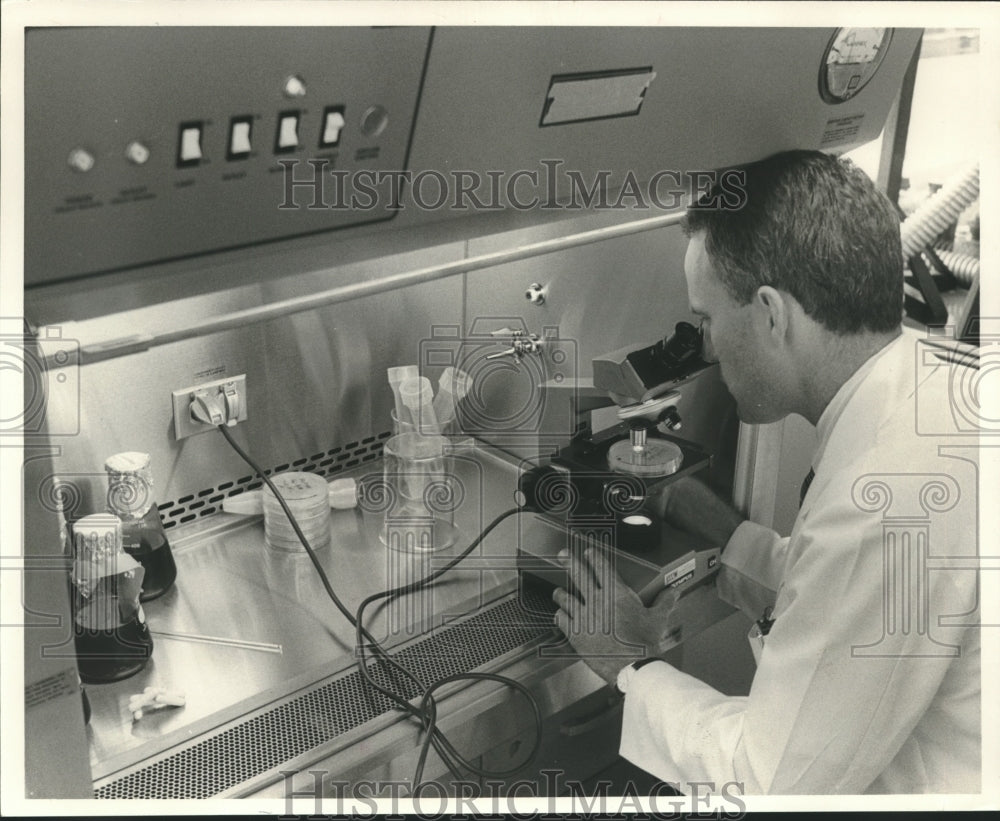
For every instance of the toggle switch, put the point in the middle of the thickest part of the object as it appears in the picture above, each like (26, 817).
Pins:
(239, 138)
(333, 124)
(288, 132)
(189, 146)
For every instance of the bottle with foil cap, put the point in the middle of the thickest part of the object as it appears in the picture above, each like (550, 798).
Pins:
(109, 627)
(131, 499)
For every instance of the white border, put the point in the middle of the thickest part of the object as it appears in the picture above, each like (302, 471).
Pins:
(18, 14)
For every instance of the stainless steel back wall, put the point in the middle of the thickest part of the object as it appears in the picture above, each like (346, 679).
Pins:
(315, 381)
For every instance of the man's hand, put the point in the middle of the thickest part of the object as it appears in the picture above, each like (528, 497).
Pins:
(610, 626)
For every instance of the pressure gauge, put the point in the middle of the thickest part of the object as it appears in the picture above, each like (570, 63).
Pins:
(851, 60)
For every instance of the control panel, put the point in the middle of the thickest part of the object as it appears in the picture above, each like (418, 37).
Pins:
(149, 144)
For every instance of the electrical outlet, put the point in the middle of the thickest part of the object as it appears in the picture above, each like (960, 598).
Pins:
(227, 397)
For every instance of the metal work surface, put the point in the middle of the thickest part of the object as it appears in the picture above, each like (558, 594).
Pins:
(246, 626)
(251, 747)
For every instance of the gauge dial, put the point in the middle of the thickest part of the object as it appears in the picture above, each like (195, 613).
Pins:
(851, 60)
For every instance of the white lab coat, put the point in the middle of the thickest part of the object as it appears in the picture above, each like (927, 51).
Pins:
(858, 689)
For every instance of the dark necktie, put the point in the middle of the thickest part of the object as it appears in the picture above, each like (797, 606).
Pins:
(805, 486)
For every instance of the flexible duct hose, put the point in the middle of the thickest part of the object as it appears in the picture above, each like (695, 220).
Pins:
(937, 213)
(964, 266)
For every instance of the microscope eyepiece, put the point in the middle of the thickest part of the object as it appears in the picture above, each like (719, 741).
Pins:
(682, 346)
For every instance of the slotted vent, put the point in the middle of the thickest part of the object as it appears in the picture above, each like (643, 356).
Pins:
(335, 460)
(266, 741)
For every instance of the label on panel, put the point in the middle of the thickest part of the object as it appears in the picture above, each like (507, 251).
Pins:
(581, 97)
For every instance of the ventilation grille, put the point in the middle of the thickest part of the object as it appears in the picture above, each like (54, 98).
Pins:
(266, 741)
(205, 502)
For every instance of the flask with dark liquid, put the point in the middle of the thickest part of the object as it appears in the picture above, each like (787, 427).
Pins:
(130, 498)
(109, 628)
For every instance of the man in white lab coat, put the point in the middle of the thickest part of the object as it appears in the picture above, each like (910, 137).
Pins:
(866, 619)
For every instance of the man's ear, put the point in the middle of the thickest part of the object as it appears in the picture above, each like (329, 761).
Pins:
(773, 310)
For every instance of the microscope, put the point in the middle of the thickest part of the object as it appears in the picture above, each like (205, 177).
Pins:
(599, 490)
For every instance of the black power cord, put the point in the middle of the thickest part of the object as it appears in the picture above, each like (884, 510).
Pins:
(426, 711)
(428, 705)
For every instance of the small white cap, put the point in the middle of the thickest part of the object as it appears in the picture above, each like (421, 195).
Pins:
(130, 461)
(248, 503)
(343, 494)
(416, 392)
(399, 373)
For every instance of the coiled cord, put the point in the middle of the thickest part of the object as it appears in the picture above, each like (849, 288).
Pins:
(426, 711)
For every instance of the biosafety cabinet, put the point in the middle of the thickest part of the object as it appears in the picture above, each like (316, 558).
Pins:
(264, 239)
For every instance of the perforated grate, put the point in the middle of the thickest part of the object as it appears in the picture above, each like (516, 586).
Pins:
(266, 741)
(335, 460)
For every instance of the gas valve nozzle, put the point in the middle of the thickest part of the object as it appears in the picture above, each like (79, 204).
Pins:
(520, 343)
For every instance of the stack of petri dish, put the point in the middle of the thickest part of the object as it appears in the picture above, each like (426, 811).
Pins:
(307, 497)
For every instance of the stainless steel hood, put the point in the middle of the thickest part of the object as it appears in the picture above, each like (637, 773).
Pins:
(145, 145)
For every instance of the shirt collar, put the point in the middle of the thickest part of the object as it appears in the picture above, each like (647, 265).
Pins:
(832, 412)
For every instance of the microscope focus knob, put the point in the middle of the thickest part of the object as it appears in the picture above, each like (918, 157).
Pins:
(671, 418)
(545, 488)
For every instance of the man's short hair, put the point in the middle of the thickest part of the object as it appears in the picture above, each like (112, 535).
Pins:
(811, 225)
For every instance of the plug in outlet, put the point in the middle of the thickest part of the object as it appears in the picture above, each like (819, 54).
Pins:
(201, 407)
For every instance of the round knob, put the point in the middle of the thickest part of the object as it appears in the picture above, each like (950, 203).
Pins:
(671, 418)
(136, 153)
(535, 294)
(295, 86)
(80, 159)
(374, 121)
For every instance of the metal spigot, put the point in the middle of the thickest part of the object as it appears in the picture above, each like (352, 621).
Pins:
(520, 343)
(638, 430)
